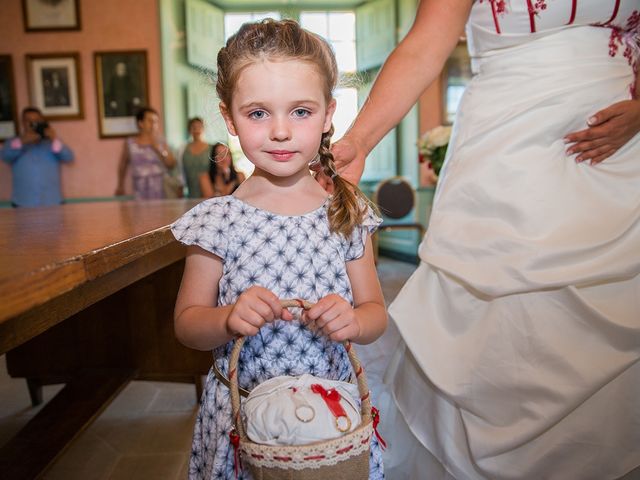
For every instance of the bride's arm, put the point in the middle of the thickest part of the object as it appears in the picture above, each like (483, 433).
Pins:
(413, 65)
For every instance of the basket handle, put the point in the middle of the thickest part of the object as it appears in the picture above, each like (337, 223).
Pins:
(363, 388)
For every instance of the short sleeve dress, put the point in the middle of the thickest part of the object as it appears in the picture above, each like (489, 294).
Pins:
(294, 257)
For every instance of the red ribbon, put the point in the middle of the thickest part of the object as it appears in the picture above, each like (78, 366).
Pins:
(376, 420)
(235, 441)
(332, 398)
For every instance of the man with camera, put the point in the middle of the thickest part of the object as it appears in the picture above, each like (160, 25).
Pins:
(35, 158)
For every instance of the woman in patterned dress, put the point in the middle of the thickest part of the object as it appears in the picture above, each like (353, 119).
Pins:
(148, 156)
(278, 236)
(518, 336)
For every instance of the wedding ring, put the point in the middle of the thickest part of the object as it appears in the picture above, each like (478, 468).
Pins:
(343, 423)
(305, 413)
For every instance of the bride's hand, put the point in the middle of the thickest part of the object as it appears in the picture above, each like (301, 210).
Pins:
(608, 130)
(349, 159)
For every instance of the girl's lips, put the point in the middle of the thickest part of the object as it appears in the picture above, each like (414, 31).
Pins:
(281, 155)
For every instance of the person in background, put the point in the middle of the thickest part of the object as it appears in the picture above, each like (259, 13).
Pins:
(194, 158)
(35, 158)
(149, 157)
(518, 354)
(222, 177)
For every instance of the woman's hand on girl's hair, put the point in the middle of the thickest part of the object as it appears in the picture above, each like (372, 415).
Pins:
(608, 131)
(255, 307)
(334, 317)
(349, 158)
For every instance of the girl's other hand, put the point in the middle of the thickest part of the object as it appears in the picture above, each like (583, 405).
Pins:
(334, 317)
(608, 131)
(255, 307)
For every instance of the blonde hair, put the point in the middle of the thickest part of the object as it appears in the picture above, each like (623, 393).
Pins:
(286, 40)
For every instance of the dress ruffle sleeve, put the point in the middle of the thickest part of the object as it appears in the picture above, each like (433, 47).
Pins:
(356, 242)
(207, 225)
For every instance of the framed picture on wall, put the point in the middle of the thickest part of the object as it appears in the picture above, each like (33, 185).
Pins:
(122, 88)
(54, 84)
(8, 111)
(455, 77)
(48, 15)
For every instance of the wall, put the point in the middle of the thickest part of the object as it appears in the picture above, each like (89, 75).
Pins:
(188, 91)
(106, 25)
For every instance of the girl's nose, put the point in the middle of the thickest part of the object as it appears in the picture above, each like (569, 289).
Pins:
(280, 130)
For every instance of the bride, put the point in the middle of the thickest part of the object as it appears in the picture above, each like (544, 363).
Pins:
(514, 349)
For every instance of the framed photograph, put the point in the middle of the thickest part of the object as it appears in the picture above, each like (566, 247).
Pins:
(48, 15)
(54, 85)
(8, 110)
(122, 87)
(455, 77)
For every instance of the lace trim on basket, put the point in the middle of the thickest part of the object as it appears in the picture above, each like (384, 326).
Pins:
(316, 455)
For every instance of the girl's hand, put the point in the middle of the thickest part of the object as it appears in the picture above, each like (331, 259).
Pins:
(608, 131)
(335, 317)
(255, 307)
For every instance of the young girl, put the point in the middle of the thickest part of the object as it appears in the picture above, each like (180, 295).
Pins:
(221, 177)
(278, 236)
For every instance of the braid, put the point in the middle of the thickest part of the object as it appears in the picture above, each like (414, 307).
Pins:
(347, 206)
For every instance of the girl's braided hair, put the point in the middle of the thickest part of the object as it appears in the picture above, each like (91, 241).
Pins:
(286, 40)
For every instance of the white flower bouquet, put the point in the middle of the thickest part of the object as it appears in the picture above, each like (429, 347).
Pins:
(432, 146)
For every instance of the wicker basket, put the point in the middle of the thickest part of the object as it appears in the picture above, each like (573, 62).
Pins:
(342, 458)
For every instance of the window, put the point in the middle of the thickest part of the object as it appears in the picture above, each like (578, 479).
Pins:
(233, 21)
(339, 29)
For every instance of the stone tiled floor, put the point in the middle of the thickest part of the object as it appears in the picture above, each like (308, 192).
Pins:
(146, 431)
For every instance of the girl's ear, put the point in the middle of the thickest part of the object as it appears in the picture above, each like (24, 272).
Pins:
(228, 119)
(331, 109)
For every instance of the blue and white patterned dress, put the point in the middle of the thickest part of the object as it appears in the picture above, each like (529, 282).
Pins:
(294, 257)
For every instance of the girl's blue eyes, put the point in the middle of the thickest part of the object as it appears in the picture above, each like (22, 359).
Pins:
(258, 114)
(301, 112)
(298, 113)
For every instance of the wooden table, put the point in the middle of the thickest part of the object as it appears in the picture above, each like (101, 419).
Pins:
(87, 300)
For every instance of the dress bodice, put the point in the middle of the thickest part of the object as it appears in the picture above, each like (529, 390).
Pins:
(496, 24)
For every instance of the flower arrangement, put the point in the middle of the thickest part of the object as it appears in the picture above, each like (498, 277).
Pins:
(432, 146)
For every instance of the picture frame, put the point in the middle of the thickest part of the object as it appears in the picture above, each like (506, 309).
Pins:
(54, 84)
(51, 15)
(122, 86)
(8, 109)
(456, 74)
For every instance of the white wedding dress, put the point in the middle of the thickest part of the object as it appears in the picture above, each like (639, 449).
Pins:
(514, 349)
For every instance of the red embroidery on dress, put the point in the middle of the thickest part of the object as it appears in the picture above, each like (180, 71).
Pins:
(497, 7)
(574, 8)
(500, 6)
(535, 9)
(614, 14)
(629, 38)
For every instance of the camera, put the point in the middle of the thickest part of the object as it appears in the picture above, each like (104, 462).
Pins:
(40, 127)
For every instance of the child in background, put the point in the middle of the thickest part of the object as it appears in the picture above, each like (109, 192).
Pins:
(221, 177)
(278, 236)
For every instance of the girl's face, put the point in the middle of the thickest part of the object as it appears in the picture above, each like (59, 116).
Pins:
(149, 123)
(279, 113)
